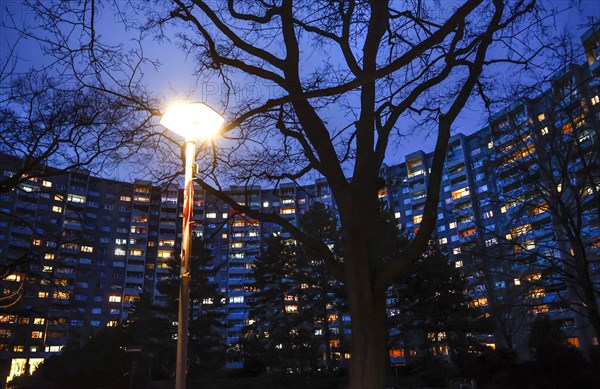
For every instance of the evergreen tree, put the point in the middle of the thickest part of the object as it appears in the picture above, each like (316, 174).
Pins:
(151, 326)
(431, 312)
(297, 308)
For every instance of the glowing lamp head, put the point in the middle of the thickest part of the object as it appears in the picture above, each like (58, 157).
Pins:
(192, 120)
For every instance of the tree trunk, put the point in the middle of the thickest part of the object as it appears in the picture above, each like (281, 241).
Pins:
(368, 314)
(369, 339)
(586, 284)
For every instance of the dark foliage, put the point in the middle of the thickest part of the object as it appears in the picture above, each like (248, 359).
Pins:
(99, 363)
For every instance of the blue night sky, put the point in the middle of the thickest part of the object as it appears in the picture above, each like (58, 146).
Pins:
(175, 80)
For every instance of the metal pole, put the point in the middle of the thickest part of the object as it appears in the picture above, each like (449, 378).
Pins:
(186, 246)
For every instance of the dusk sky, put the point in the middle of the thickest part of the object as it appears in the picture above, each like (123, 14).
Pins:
(174, 79)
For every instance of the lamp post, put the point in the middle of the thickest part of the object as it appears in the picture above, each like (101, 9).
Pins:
(190, 120)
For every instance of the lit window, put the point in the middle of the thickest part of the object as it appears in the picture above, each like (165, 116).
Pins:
(457, 194)
(265, 204)
(574, 341)
(114, 299)
(37, 242)
(56, 208)
(490, 145)
(521, 230)
(61, 295)
(112, 323)
(544, 131)
(39, 320)
(87, 249)
(47, 269)
(452, 225)
(595, 100)
(125, 198)
(37, 334)
(211, 215)
(287, 211)
(75, 199)
(458, 264)
(456, 250)
(443, 240)
(487, 214)
(491, 242)
(541, 117)
(47, 184)
(164, 254)
(42, 295)
(480, 302)
(119, 251)
(291, 309)
(537, 293)
(517, 281)
(417, 219)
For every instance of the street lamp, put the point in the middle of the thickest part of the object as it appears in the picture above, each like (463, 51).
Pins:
(190, 120)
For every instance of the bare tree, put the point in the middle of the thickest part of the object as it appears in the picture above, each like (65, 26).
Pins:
(549, 171)
(343, 78)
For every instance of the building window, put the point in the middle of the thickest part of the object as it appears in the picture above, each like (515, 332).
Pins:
(87, 249)
(595, 100)
(211, 215)
(114, 299)
(57, 209)
(541, 117)
(47, 184)
(75, 199)
(125, 198)
(457, 194)
(291, 309)
(491, 242)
